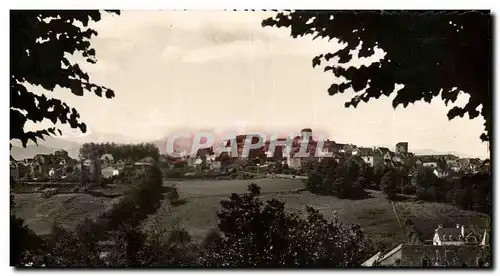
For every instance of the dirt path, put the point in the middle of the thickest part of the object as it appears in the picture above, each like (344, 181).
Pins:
(398, 219)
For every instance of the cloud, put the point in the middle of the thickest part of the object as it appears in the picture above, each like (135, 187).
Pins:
(239, 50)
(171, 52)
(196, 37)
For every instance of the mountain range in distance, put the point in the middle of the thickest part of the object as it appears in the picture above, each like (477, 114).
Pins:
(72, 145)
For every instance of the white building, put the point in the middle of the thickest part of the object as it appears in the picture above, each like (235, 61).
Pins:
(294, 162)
(449, 236)
(430, 165)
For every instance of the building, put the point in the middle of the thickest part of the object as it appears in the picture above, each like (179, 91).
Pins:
(120, 164)
(402, 148)
(449, 236)
(58, 163)
(451, 247)
(366, 154)
(381, 155)
(146, 161)
(294, 162)
(61, 154)
(241, 140)
(215, 165)
(107, 160)
(441, 173)
(423, 255)
(427, 161)
(430, 164)
(109, 172)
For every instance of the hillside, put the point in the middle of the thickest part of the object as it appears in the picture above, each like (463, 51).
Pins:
(68, 210)
(427, 216)
(198, 215)
(375, 215)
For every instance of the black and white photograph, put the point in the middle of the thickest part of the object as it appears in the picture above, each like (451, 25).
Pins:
(251, 138)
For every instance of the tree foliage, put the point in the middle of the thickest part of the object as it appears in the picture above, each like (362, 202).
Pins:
(426, 178)
(125, 152)
(258, 234)
(430, 53)
(388, 184)
(41, 42)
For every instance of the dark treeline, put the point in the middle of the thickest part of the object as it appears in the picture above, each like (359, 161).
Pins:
(344, 179)
(125, 152)
(347, 178)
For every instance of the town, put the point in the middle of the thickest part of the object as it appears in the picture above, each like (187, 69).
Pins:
(60, 166)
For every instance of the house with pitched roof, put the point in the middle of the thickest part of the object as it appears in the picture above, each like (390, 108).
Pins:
(366, 154)
(427, 161)
(451, 247)
(382, 155)
(449, 236)
(107, 160)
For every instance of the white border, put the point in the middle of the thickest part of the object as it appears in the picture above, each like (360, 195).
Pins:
(213, 4)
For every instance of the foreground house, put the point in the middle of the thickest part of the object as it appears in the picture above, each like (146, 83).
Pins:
(451, 247)
(417, 255)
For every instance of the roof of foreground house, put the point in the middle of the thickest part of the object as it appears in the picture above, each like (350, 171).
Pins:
(372, 260)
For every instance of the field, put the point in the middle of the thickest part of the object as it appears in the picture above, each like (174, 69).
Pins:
(198, 215)
(375, 215)
(427, 216)
(68, 210)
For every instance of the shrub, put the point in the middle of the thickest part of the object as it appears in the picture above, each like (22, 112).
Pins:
(409, 189)
(22, 240)
(314, 182)
(265, 235)
(426, 194)
(212, 239)
(179, 236)
(388, 184)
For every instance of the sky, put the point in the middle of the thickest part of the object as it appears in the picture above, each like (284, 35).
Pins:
(217, 69)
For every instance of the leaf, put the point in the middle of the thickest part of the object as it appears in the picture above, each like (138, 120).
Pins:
(316, 61)
(46, 66)
(110, 93)
(425, 60)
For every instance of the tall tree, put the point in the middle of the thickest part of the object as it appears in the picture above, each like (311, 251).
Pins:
(425, 178)
(388, 184)
(430, 53)
(41, 42)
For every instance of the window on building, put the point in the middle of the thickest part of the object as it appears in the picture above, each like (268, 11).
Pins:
(426, 262)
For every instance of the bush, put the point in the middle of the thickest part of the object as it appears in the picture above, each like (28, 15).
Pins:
(388, 184)
(212, 239)
(314, 182)
(409, 189)
(22, 240)
(426, 194)
(265, 235)
(140, 200)
(179, 236)
(175, 173)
